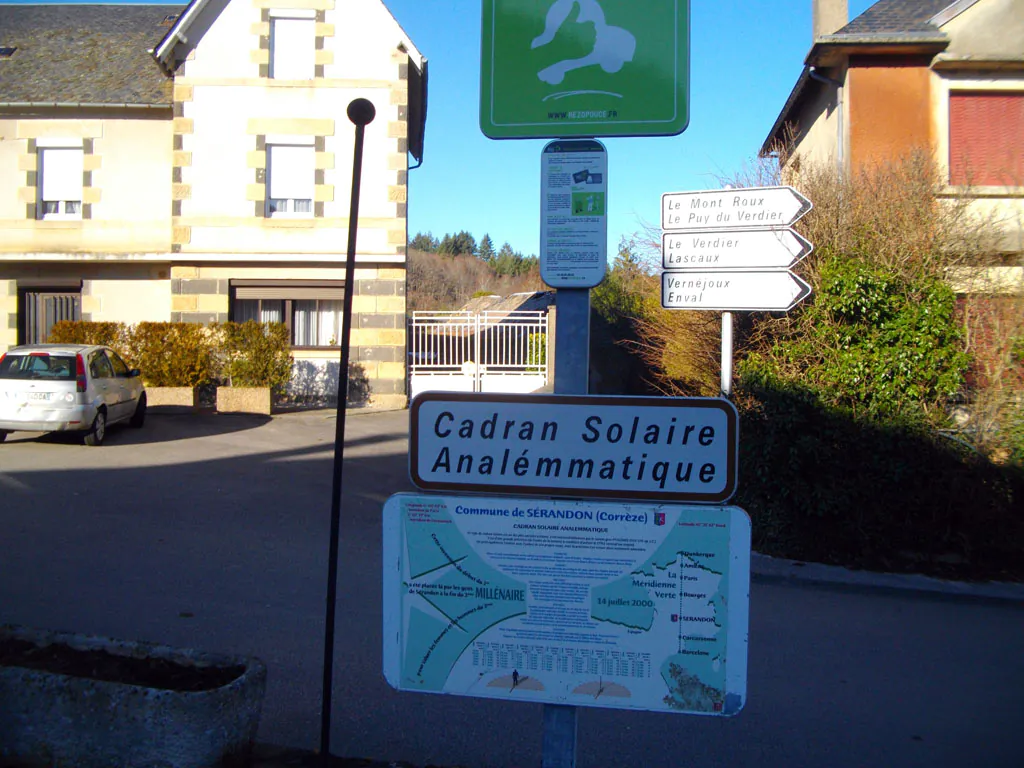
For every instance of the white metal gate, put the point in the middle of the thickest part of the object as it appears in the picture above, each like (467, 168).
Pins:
(478, 352)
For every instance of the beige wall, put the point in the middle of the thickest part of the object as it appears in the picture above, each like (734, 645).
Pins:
(228, 108)
(989, 28)
(818, 139)
(128, 198)
(127, 301)
(8, 314)
(12, 177)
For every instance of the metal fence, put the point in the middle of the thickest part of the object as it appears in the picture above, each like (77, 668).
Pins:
(488, 350)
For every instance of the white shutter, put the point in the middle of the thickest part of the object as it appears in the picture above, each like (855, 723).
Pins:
(62, 174)
(291, 172)
(293, 49)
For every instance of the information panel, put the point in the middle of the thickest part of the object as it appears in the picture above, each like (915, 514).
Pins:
(625, 606)
(573, 213)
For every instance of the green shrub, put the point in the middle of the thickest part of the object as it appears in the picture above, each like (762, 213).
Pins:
(117, 336)
(256, 354)
(888, 494)
(175, 354)
(872, 343)
(536, 349)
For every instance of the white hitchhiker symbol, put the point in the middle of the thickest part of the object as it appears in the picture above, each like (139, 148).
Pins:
(613, 46)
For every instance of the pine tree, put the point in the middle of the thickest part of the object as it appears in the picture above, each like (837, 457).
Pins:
(486, 250)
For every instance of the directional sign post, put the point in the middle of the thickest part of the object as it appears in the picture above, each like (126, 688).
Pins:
(765, 290)
(749, 208)
(741, 249)
(744, 236)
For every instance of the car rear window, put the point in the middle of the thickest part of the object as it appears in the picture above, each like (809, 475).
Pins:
(38, 366)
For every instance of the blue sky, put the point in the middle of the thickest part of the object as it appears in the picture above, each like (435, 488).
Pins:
(745, 56)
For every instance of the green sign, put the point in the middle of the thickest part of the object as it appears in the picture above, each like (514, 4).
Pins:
(565, 68)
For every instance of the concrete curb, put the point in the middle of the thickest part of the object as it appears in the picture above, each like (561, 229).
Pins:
(766, 568)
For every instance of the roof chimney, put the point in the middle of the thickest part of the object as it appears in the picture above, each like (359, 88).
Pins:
(828, 16)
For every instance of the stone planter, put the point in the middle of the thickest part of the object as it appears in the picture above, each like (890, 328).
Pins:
(243, 400)
(186, 397)
(62, 717)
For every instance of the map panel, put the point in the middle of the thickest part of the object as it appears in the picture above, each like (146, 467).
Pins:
(632, 606)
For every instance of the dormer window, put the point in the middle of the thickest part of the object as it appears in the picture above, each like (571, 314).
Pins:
(7, 51)
(292, 45)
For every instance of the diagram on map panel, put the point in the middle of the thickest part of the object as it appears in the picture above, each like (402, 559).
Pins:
(517, 682)
(613, 46)
(601, 688)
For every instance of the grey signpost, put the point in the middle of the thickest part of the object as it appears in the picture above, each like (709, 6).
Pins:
(580, 69)
(731, 250)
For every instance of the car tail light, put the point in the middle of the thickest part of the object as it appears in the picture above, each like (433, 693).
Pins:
(79, 373)
(3, 357)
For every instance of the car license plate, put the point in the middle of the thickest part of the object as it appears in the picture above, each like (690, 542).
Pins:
(38, 395)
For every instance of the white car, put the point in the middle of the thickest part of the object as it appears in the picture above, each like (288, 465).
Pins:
(68, 387)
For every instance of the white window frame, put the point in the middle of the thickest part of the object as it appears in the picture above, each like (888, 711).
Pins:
(296, 63)
(73, 194)
(296, 146)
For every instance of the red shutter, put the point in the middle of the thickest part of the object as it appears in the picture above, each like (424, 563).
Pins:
(986, 138)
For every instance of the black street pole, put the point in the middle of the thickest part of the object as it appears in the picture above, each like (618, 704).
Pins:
(361, 112)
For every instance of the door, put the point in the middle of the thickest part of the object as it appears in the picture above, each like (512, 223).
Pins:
(105, 389)
(128, 387)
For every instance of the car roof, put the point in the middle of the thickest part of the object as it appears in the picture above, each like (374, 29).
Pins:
(53, 349)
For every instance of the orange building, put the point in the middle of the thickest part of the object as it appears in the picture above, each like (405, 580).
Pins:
(938, 75)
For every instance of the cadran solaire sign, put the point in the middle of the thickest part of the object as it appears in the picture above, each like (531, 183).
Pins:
(661, 448)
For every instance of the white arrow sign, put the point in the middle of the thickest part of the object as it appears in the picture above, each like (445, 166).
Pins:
(731, 249)
(751, 208)
(752, 291)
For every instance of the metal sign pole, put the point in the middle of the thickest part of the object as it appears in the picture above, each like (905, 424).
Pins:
(361, 112)
(727, 330)
(572, 377)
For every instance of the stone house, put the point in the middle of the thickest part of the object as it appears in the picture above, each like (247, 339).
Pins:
(943, 76)
(194, 163)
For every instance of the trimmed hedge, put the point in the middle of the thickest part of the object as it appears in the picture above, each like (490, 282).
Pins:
(823, 486)
(189, 354)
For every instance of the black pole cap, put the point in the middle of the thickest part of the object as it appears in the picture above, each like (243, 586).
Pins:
(361, 111)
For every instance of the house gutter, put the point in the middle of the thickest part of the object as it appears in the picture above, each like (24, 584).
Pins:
(77, 105)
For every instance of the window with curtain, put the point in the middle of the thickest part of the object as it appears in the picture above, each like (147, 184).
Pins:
(292, 47)
(290, 180)
(60, 183)
(986, 138)
(313, 314)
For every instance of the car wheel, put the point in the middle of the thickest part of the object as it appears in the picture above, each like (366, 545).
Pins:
(139, 417)
(3, 435)
(98, 431)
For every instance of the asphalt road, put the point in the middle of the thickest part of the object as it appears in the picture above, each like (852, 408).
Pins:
(212, 532)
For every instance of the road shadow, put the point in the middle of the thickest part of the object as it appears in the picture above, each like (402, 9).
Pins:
(159, 428)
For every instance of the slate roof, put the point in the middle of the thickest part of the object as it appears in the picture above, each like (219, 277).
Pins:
(83, 54)
(896, 18)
